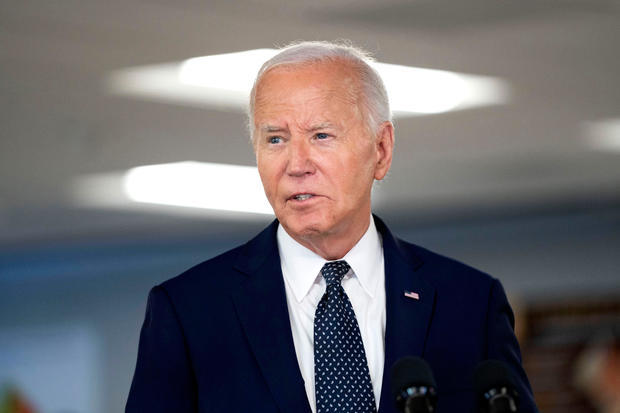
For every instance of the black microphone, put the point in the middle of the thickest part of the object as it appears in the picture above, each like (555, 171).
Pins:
(413, 386)
(495, 386)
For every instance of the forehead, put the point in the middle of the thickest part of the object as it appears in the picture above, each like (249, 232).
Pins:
(320, 87)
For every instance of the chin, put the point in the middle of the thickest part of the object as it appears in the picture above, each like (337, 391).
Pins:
(304, 226)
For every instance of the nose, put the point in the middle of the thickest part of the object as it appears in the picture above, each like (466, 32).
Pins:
(299, 158)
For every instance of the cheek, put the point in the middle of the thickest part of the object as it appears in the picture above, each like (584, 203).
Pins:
(269, 176)
(360, 167)
(265, 175)
(357, 179)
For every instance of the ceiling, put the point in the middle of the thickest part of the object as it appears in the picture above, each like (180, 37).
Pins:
(560, 57)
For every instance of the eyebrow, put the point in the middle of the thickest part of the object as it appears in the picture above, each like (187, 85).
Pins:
(271, 128)
(313, 128)
(324, 125)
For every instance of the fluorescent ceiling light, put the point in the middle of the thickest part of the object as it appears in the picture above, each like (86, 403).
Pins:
(199, 185)
(604, 135)
(234, 72)
(219, 187)
(225, 80)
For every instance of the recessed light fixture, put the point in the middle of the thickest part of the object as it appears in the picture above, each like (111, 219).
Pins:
(225, 80)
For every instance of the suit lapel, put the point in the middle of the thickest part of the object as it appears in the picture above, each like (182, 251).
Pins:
(407, 319)
(262, 310)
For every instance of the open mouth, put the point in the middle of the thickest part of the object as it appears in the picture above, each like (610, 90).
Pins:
(302, 197)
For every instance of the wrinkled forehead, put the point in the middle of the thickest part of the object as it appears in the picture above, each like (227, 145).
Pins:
(307, 95)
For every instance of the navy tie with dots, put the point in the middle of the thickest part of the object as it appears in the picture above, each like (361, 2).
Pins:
(342, 379)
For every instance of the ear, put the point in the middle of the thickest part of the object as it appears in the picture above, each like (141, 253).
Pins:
(384, 146)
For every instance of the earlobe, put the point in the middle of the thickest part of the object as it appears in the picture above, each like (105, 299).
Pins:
(384, 148)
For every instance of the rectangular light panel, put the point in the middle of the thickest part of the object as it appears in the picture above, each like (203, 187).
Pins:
(225, 80)
(191, 184)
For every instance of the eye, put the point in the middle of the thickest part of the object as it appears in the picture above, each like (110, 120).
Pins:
(274, 139)
(322, 135)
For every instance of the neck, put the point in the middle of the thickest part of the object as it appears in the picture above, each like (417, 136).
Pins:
(336, 245)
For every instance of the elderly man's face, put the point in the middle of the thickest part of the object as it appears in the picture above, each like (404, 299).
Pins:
(316, 158)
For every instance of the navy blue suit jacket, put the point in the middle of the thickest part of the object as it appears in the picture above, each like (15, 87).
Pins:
(217, 338)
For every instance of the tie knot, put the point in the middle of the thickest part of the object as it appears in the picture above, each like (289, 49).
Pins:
(334, 271)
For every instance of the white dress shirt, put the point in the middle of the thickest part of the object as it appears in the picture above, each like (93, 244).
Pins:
(365, 286)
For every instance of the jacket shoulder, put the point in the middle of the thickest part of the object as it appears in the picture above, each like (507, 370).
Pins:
(437, 269)
(217, 271)
(225, 271)
(444, 270)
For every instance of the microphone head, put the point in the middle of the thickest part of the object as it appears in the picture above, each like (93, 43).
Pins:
(492, 373)
(411, 372)
(495, 385)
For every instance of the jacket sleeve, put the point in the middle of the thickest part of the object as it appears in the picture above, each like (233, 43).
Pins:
(502, 344)
(163, 380)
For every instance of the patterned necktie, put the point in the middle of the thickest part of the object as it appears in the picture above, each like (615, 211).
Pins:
(342, 380)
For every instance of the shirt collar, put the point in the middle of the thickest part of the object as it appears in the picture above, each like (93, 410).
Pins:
(301, 267)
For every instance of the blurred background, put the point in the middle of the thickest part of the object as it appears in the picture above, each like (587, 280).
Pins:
(518, 175)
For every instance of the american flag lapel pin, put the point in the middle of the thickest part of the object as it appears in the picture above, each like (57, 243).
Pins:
(412, 294)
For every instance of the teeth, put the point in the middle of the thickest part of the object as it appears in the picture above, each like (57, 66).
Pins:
(302, 197)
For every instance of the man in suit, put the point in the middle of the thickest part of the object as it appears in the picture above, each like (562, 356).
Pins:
(320, 304)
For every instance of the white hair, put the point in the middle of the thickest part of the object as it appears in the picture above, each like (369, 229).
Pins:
(376, 107)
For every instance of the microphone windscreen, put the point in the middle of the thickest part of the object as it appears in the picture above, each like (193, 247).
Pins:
(492, 374)
(410, 371)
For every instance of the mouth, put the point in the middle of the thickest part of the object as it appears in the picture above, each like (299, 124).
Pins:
(301, 197)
